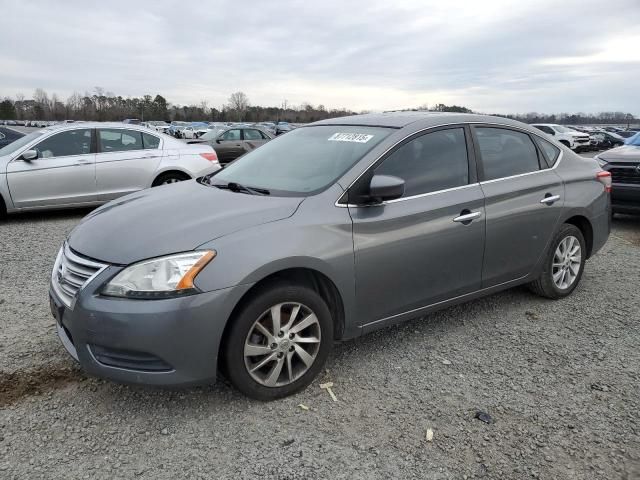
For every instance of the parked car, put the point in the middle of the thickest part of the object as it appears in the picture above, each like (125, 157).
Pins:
(131, 121)
(283, 127)
(624, 165)
(86, 164)
(606, 140)
(333, 230)
(234, 142)
(268, 127)
(195, 131)
(7, 135)
(568, 137)
(176, 128)
(626, 133)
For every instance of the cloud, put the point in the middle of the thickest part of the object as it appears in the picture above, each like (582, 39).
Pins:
(494, 55)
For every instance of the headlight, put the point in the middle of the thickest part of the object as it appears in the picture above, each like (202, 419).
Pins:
(160, 277)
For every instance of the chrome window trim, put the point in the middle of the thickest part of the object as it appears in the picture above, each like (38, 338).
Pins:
(514, 127)
(525, 174)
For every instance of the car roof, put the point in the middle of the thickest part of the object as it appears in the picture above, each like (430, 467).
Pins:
(420, 119)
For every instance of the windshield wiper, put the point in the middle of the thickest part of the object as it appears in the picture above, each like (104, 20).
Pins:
(237, 187)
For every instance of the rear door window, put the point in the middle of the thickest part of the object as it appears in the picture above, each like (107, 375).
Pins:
(119, 140)
(250, 134)
(505, 153)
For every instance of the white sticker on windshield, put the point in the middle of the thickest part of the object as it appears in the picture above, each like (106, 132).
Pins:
(350, 137)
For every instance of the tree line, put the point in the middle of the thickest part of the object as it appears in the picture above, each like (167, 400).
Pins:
(101, 105)
(106, 106)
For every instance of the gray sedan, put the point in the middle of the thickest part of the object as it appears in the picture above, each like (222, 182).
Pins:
(234, 142)
(331, 231)
(87, 164)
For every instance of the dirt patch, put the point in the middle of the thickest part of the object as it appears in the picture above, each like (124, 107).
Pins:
(24, 383)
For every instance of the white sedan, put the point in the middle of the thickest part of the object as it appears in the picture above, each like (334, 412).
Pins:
(87, 164)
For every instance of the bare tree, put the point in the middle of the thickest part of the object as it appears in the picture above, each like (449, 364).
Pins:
(239, 102)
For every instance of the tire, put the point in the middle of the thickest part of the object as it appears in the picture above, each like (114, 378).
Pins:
(545, 285)
(170, 177)
(283, 296)
(3, 209)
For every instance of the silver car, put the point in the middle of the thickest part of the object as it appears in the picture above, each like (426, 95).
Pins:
(331, 231)
(77, 165)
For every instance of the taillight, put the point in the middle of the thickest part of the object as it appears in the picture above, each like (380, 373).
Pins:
(211, 156)
(605, 179)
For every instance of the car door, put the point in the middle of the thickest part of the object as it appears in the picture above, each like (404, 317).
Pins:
(426, 246)
(63, 174)
(253, 138)
(228, 145)
(524, 198)
(126, 161)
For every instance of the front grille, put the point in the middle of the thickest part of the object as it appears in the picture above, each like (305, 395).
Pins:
(582, 140)
(71, 272)
(629, 175)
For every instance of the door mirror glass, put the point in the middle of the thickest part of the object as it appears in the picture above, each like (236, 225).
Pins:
(29, 155)
(385, 187)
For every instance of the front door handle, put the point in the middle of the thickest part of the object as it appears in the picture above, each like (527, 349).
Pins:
(82, 161)
(550, 199)
(466, 217)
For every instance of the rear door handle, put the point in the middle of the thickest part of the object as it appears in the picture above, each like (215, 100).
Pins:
(82, 161)
(550, 199)
(466, 216)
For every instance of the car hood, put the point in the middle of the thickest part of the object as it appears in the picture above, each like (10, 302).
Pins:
(578, 134)
(625, 153)
(171, 219)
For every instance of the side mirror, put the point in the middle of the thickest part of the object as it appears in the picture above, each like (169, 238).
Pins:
(29, 155)
(385, 187)
(218, 140)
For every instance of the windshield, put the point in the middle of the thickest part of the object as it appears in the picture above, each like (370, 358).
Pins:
(562, 129)
(19, 143)
(635, 141)
(303, 161)
(212, 134)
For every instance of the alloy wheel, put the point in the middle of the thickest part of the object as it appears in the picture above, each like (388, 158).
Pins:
(282, 344)
(567, 261)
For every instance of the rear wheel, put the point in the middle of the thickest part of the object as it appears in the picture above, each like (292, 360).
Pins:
(564, 264)
(170, 177)
(278, 342)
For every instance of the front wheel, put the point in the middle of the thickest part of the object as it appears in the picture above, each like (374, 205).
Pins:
(564, 264)
(278, 342)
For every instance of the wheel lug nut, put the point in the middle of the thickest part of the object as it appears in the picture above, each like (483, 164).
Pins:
(291, 335)
(280, 333)
(280, 355)
(291, 348)
(273, 346)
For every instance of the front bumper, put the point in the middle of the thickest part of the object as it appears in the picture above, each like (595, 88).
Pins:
(169, 342)
(625, 198)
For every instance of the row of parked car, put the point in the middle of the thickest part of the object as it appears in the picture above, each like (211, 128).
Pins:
(33, 123)
(194, 130)
(587, 138)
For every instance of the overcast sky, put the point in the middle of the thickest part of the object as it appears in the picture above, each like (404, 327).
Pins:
(494, 56)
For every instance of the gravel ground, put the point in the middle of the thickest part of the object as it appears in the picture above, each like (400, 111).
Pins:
(560, 381)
